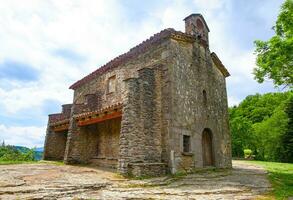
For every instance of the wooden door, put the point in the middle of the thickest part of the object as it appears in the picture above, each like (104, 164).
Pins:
(207, 148)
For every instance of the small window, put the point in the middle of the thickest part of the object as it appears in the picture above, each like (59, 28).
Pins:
(186, 143)
(111, 84)
(204, 95)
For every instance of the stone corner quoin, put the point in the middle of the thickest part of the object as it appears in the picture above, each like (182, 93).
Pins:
(159, 108)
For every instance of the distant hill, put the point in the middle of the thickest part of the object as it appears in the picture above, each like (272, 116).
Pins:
(38, 151)
(38, 155)
(22, 149)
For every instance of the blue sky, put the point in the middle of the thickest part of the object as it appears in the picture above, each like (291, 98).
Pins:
(47, 45)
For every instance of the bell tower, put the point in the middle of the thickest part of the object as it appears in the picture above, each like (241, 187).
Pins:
(196, 25)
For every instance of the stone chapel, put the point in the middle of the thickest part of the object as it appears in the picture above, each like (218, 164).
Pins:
(159, 108)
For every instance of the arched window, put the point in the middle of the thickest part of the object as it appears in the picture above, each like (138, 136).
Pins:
(200, 28)
(199, 24)
(204, 96)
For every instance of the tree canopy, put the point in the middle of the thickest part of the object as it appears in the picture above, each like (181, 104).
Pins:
(275, 56)
(263, 123)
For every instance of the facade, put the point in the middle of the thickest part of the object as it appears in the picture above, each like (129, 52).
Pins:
(161, 107)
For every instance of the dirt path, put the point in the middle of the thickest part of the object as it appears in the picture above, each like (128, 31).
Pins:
(48, 181)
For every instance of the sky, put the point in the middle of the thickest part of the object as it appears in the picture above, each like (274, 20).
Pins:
(45, 46)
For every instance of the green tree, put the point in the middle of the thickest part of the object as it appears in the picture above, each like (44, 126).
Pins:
(267, 135)
(241, 135)
(287, 137)
(275, 56)
(262, 123)
(11, 153)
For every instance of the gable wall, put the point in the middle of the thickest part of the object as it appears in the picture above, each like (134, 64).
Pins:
(127, 70)
(192, 72)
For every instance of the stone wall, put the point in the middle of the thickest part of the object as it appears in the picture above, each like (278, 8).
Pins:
(192, 73)
(147, 169)
(141, 135)
(107, 146)
(96, 143)
(72, 154)
(154, 55)
(55, 142)
(56, 148)
(152, 58)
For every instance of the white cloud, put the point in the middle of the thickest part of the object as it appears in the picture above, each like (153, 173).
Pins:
(233, 101)
(29, 136)
(99, 31)
(31, 30)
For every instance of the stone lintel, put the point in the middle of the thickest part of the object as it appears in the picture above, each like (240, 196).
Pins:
(130, 78)
(145, 69)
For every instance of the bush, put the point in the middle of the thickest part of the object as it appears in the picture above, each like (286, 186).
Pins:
(248, 154)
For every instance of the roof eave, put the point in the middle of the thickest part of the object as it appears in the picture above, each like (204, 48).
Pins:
(220, 65)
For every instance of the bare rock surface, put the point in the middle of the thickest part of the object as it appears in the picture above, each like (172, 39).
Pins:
(51, 181)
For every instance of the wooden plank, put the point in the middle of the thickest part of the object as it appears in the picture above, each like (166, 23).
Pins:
(100, 119)
(61, 128)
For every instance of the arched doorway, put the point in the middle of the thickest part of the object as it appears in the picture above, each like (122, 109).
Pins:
(207, 148)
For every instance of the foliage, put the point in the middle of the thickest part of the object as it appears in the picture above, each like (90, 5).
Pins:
(267, 135)
(281, 177)
(262, 123)
(11, 153)
(247, 153)
(287, 137)
(275, 56)
(241, 134)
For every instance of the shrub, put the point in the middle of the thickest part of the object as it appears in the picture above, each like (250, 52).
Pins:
(248, 154)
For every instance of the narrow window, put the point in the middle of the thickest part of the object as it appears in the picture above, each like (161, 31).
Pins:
(204, 95)
(111, 84)
(186, 143)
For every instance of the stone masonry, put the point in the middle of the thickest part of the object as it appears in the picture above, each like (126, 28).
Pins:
(159, 108)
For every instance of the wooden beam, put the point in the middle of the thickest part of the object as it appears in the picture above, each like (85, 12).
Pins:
(61, 128)
(113, 115)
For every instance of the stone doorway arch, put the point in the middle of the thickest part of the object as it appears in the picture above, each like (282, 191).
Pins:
(207, 148)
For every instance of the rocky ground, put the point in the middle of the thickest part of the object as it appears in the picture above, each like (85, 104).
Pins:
(51, 181)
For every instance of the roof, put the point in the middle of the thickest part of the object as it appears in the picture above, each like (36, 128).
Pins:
(219, 64)
(135, 51)
(124, 57)
(197, 15)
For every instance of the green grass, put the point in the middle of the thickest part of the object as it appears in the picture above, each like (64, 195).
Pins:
(281, 177)
(13, 162)
(52, 162)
